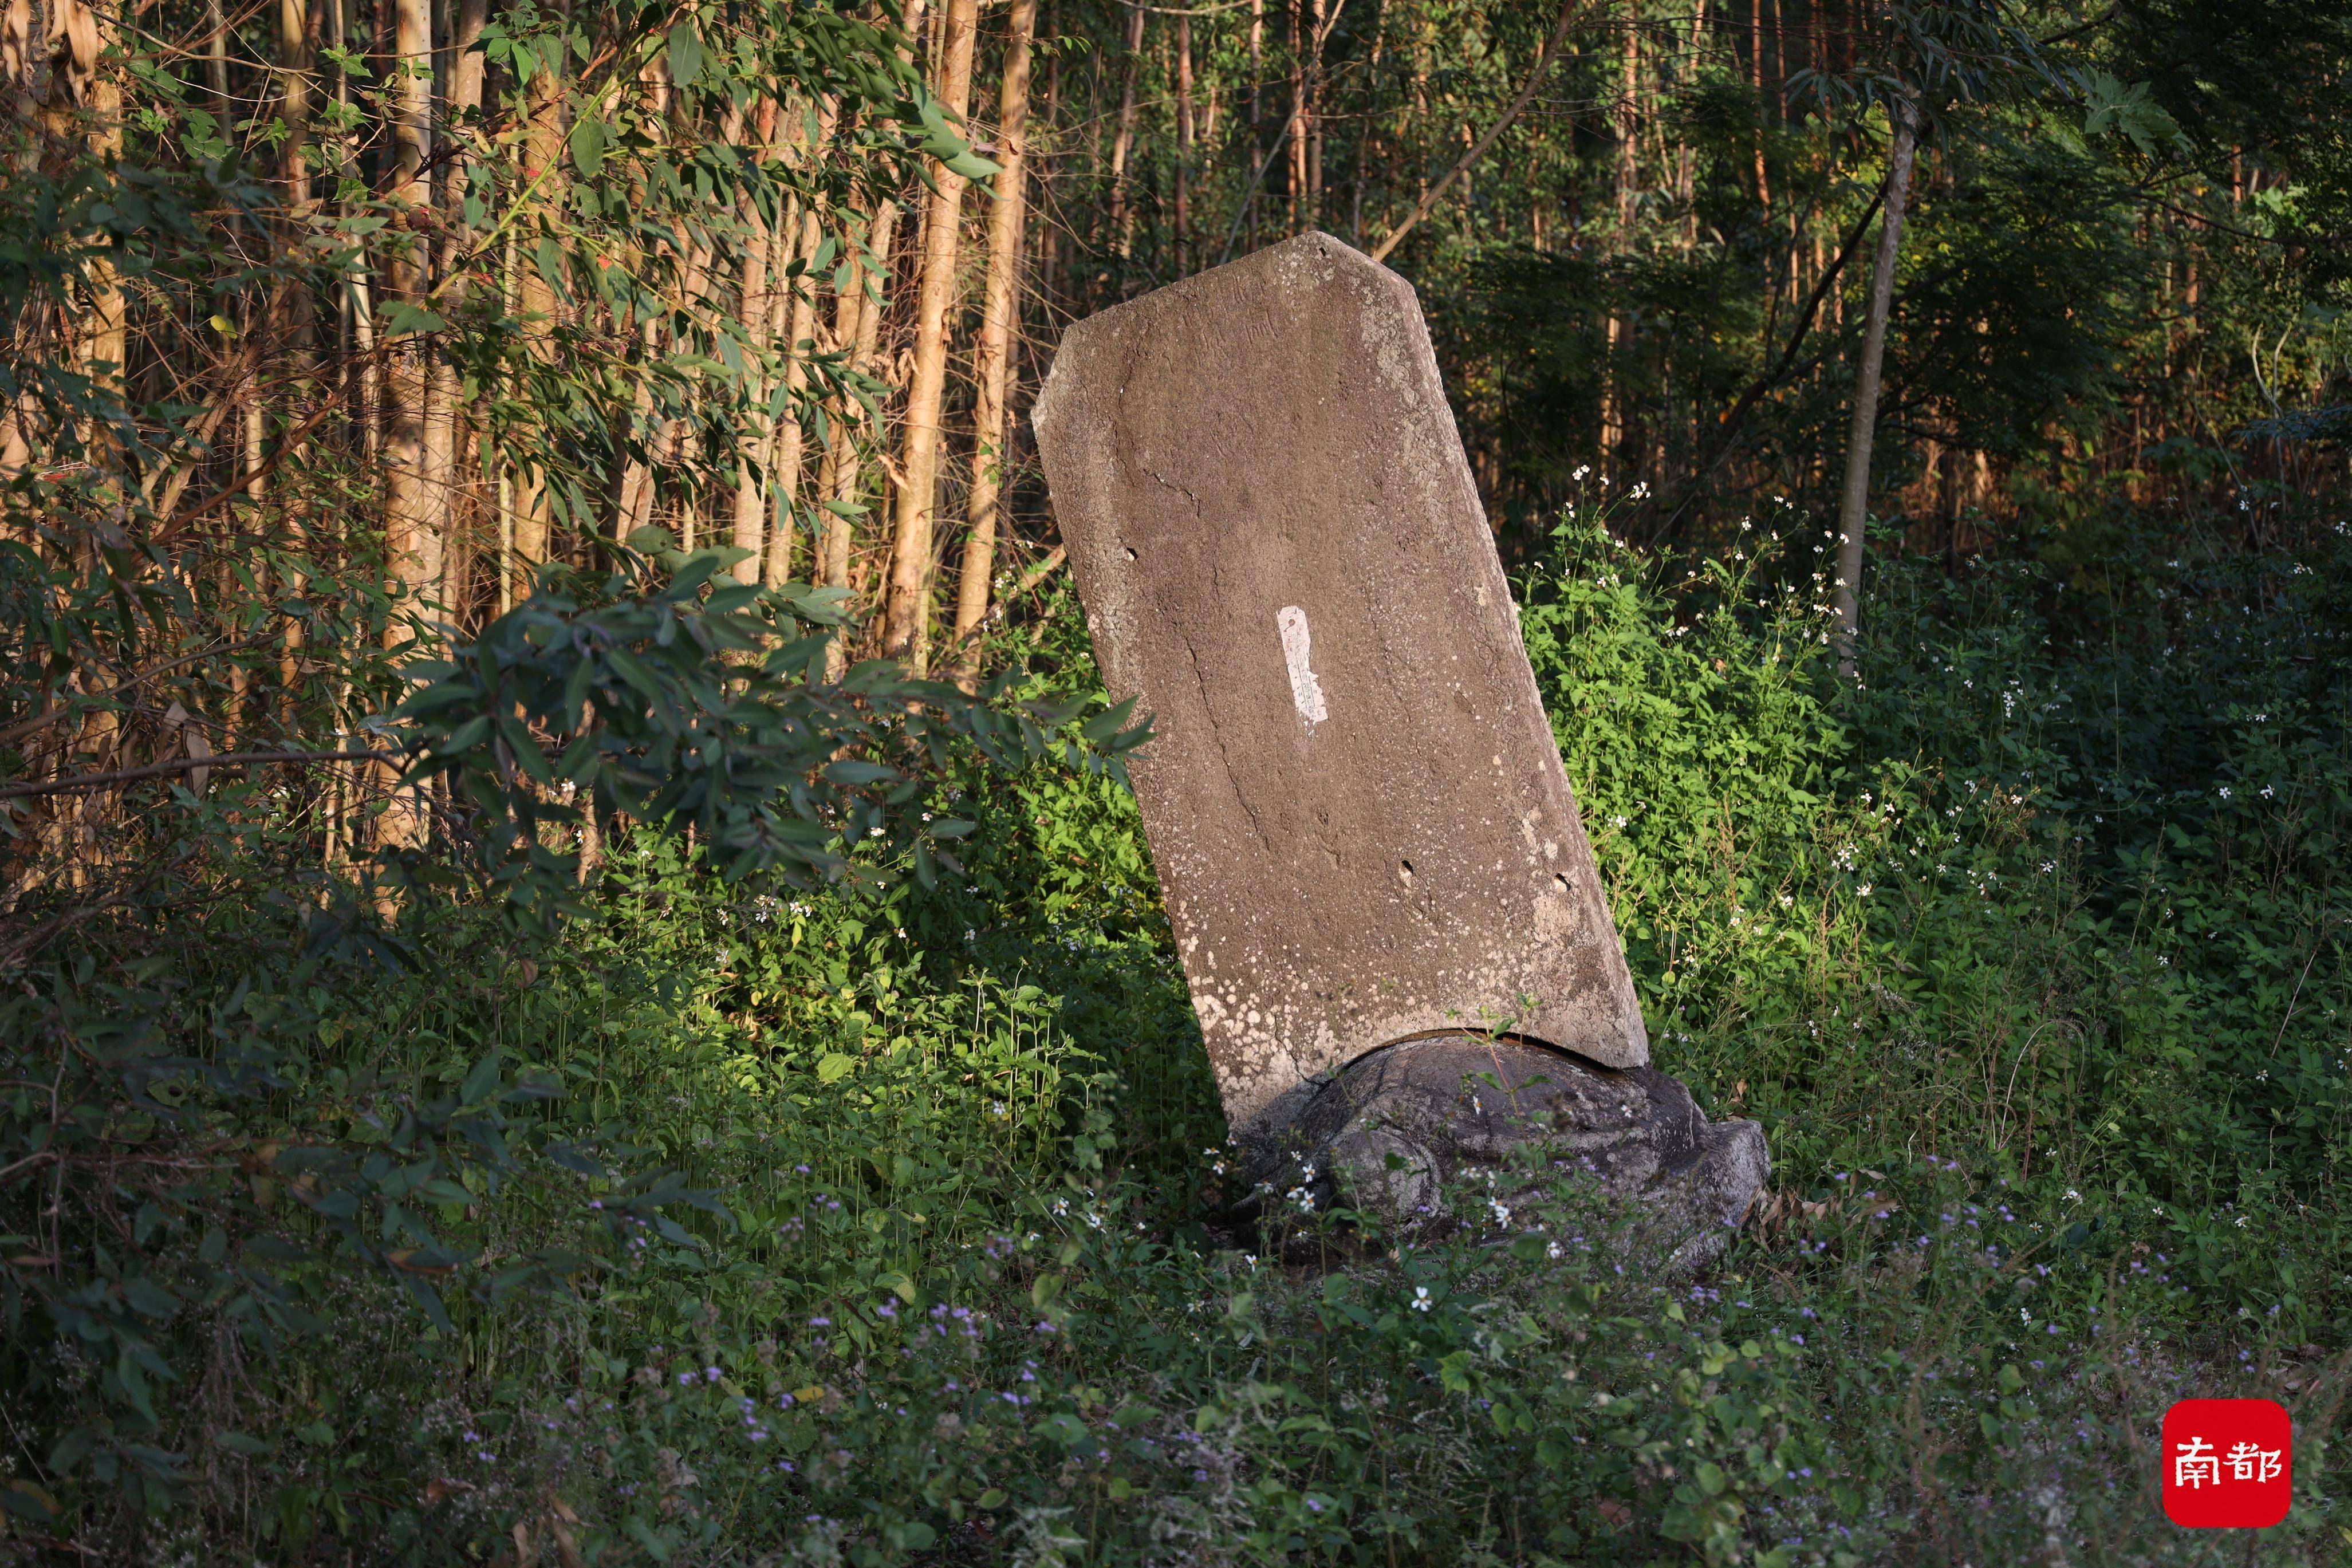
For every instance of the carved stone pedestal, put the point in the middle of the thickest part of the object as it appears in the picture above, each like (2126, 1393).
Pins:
(1390, 1132)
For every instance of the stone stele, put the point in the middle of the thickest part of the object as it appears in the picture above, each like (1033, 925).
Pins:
(1352, 796)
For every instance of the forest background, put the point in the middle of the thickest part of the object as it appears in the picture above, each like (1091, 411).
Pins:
(581, 983)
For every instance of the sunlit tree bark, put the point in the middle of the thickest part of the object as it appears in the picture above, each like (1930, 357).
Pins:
(992, 356)
(1122, 146)
(412, 507)
(1184, 142)
(1853, 503)
(797, 303)
(543, 189)
(755, 443)
(857, 328)
(908, 609)
(442, 420)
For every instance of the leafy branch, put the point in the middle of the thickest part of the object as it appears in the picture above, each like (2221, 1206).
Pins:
(669, 693)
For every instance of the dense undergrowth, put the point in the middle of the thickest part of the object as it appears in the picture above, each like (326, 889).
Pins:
(882, 1224)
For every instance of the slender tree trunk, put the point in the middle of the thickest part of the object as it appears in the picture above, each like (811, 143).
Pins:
(413, 511)
(864, 326)
(1184, 142)
(849, 306)
(412, 541)
(84, 97)
(1296, 152)
(1686, 158)
(355, 320)
(291, 309)
(800, 330)
(441, 390)
(1051, 238)
(1854, 505)
(992, 357)
(253, 420)
(1318, 30)
(1122, 145)
(543, 182)
(1256, 102)
(216, 63)
(511, 305)
(1756, 79)
(641, 478)
(906, 611)
(779, 491)
(754, 437)
(635, 506)
(1629, 183)
(297, 57)
(1629, 133)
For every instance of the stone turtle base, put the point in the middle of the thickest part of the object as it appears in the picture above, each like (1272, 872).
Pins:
(1386, 1135)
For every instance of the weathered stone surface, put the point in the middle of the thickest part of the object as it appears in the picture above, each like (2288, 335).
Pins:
(1353, 797)
(1452, 1104)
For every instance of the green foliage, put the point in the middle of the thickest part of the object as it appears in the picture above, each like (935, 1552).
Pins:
(679, 697)
(215, 1162)
(149, 223)
(2073, 905)
(874, 1222)
(1704, 756)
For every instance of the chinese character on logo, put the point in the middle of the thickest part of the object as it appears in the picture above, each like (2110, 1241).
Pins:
(2227, 1463)
(2248, 1463)
(2194, 1464)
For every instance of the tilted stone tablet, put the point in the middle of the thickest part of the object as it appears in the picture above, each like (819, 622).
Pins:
(1352, 796)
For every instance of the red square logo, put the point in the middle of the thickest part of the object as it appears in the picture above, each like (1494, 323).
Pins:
(2227, 1463)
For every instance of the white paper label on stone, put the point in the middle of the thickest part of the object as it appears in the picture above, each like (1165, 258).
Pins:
(1306, 691)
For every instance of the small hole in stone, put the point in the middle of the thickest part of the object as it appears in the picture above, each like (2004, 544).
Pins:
(1404, 870)
(1131, 554)
(1562, 881)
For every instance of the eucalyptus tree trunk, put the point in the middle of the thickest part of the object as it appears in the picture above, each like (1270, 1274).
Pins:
(361, 374)
(835, 480)
(291, 308)
(1295, 151)
(1257, 104)
(1122, 146)
(253, 420)
(442, 419)
(1629, 185)
(84, 97)
(543, 183)
(1318, 33)
(1685, 156)
(296, 57)
(800, 328)
(754, 436)
(1185, 139)
(858, 330)
(640, 476)
(907, 613)
(1854, 505)
(1756, 79)
(413, 511)
(413, 538)
(992, 356)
